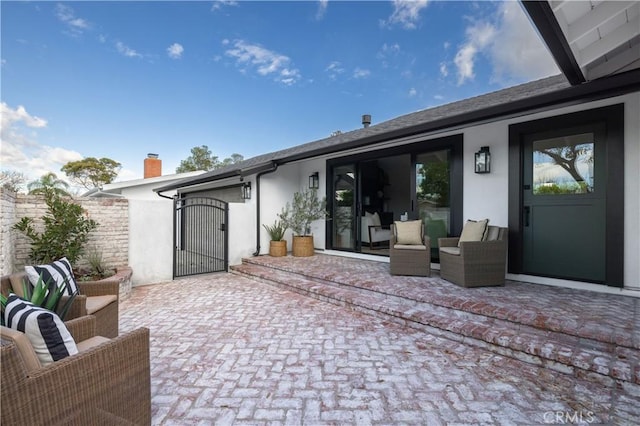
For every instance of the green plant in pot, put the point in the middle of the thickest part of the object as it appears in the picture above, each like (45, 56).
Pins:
(277, 245)
(44, 295)
(298, 215)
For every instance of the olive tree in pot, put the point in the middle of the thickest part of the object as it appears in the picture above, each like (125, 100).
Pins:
(298, 215)
(277, 245)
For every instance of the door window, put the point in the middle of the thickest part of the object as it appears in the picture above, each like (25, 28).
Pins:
(564, 165)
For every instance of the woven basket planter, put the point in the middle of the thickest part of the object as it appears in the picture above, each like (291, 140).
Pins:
(302, 246)
(278, 248)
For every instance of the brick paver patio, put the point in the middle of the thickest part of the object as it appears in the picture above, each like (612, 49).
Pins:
(226, 349)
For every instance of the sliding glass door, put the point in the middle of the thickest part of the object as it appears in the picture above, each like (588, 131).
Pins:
(417, 181)
(433, 184)
(344, 207)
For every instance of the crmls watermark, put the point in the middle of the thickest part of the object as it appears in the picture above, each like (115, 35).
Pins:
(568, 417)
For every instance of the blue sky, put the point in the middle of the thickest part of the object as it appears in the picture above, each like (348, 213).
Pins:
(122, 79)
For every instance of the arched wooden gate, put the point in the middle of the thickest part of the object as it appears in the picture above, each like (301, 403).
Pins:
(200, 235)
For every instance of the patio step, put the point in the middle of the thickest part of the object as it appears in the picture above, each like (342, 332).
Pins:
(594, 357)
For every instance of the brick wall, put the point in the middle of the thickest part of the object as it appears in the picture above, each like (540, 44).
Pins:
(111, 237)
(7, 238)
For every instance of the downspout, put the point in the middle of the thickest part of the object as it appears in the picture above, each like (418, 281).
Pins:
(274, 167)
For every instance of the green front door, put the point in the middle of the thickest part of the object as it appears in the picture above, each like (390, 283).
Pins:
(564, 203)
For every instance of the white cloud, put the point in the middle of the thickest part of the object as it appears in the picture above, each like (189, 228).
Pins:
(219, 4)
(444, 70)
(175, 51)
(10, 117)
(361, 73)
(264, 61)
(20, 150)
(517, 52)
(334, 69)
(510, 44)
(413, 92)
(479, 35)
(127, 51)
(322, 9)
(67, 15)
(406, 13)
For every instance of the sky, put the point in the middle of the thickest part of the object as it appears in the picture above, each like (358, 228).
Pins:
(121, 79)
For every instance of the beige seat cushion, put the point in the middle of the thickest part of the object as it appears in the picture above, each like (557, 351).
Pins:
(27, 352)
(409, 232)
(474, 230)
(410, 247)
(91, 342)
(451, 250)
(95, 303)
(23, 344)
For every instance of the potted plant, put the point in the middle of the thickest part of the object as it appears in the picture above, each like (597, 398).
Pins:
(277, 245)
(298, 215)
(44, 295)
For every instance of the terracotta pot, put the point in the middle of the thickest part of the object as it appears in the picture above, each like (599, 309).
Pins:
(302, 246)
(278, 248)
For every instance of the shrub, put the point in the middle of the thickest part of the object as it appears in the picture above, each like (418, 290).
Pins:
(66, 230)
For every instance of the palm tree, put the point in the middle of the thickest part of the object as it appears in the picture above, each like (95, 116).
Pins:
(49, 182)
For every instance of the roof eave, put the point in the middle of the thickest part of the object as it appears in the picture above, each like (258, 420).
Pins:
(208, 177)
(599, 89)
(615, 85)
(549, 29)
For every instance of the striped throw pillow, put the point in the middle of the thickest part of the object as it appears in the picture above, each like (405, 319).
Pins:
(57, 272)
(45, 330)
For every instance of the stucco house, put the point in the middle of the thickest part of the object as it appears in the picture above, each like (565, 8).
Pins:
(563, 172)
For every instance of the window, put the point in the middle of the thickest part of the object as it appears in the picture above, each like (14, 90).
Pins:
(564, 165)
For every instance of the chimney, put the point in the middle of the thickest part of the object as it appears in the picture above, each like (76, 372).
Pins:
(152, 166)
(366, 120)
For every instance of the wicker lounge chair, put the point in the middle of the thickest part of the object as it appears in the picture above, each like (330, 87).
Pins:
(475, 263)
(99, 298)
(409, 259)
(106, 383)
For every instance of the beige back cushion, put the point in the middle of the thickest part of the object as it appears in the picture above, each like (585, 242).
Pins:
(17, 281)
(23, 344)
(474, 230)
(409, 232)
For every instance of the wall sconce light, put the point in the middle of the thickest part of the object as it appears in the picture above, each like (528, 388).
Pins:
(314, 180)
(246, 191)
(483, 160)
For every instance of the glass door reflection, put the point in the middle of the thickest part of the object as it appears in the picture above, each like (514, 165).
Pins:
(433, 183)
(344, 212)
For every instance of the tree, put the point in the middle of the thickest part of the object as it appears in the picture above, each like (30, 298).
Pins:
(12, 180)
(49, 182)
(435, 182)
(201, 158)
(567, 158)
(91, 172)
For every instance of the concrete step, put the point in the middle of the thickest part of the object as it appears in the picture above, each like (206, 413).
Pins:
(539, 343)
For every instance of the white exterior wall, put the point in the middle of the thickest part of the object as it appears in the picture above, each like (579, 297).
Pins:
(477, 204)
(487, 195)
(150, 241)
(277, 190)
(241, 230)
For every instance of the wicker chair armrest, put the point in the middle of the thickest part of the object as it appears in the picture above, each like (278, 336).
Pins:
(78, 307)
(113, 376)
(483, 250)
(82, 328)
(448, 242)
(99, 288)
